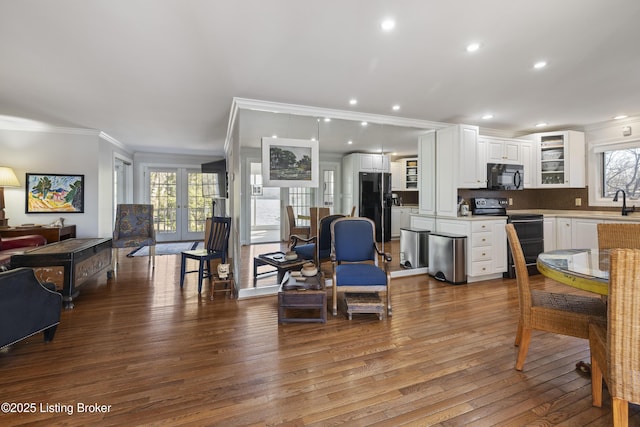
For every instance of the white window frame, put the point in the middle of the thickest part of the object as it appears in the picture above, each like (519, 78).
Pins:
(595, 170)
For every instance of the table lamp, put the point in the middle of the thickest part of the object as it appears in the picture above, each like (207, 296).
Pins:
(7, 179)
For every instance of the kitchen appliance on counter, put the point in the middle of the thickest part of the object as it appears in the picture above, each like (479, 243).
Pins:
(375, 202)
(396, 200)
(502, 176)
(529, 227)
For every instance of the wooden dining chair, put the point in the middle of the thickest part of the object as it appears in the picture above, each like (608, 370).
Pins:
(301, 230)
(563, 314)
(615, 346)
(619, 236)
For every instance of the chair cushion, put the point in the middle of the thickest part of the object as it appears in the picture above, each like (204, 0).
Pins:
(360, 275)
(305, 251)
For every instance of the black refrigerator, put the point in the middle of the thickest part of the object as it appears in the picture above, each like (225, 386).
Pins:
(375, 202)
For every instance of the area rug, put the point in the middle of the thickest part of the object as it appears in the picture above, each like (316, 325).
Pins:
(167, 248)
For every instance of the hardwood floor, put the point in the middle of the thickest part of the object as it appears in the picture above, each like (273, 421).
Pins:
(161, 356)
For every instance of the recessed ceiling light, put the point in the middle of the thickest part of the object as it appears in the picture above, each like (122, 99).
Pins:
(620, 117)
(540, 64)
(349, 142)
(396, 107)
(327, 119)
(473, 47)
(313, 138)
(541, 124)
(388, 24)
(274, 136)
(364, 123)
(487, 116)
(353, 101)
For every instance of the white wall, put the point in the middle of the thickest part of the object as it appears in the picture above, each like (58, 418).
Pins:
(72, 151)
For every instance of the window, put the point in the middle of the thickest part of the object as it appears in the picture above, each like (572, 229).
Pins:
(328, 188)
(621, 171)
(300, 200)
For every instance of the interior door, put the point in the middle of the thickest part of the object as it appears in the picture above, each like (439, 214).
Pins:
(180, 210)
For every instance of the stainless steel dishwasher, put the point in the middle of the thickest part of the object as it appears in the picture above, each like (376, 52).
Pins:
(448, 257)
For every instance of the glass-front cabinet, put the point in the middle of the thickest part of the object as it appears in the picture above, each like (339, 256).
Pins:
(561, 159)
(410, 174)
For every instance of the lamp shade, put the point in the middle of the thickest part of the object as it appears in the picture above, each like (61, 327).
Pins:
(8, 177)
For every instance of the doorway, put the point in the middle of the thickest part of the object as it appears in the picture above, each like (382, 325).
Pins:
(265, 208)
(180, 210)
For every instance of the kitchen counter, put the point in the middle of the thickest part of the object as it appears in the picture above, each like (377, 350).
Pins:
(603, 215)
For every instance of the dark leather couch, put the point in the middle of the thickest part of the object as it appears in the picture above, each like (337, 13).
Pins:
(16, 245)
(27, 306)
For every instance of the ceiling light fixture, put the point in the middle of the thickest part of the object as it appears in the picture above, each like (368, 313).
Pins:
(541, 124)
(274, 136)
(388, 24)
(487, 116)
(349, 142)
(620, 117)
(364, 123)
(327, 119)
(396, 107)
(540, 64)
(473, 47)
(353, 101)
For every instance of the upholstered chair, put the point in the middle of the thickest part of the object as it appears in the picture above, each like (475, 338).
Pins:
(134, 228)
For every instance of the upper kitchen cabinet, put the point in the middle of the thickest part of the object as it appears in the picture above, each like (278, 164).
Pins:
(410, 174)
(457, 166)
(397, 169)
(427, 173)
(561, 159)
(373, 162)
(502, 150)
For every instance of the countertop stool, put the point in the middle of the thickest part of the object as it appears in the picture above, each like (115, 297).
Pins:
(229, 285)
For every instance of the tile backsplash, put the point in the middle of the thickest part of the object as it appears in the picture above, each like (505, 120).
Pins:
(551, 198)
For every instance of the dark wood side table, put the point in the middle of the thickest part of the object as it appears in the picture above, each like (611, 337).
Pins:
(312, 299)
(52, 234)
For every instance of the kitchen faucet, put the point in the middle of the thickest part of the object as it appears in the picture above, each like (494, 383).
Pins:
(625, 210)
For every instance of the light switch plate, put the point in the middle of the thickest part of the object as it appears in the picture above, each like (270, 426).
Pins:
(578, 201)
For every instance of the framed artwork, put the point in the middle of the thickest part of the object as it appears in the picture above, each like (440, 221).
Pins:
(289, 162)
(54, 193)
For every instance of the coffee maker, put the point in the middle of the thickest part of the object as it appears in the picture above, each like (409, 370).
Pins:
(396, 200)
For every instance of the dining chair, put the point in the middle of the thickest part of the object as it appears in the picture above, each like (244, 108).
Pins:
(216, 244)
(564, 314)
(304, 230)
(316, 248)
(615, 346)
(134, 228)
(316, 215)
(354, 259)
(619, 236)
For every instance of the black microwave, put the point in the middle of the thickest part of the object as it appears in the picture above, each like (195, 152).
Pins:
(501, 176)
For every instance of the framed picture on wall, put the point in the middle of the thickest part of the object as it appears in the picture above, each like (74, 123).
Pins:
(289, 162)
(54, 193)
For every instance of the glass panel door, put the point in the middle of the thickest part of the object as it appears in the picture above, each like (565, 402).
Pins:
(180, 210)
(265, 208)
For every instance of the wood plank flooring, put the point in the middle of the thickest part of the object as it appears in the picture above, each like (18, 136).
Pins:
(161, 356)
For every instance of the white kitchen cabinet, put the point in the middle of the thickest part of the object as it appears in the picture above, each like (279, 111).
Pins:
(427, 173)
(560, 159)
(401, 218)
(410, 174)
(396, 175)
(502, 150)
(528, 160)
(373, 162)
(420, 222)
(563, 233)
(549, 232)
(486, 245)
(584, 233)
(457, 166)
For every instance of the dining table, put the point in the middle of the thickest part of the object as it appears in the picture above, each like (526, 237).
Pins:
(586, 269)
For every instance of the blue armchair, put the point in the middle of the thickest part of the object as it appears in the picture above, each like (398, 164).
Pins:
(134, 228)
(354, 256)
(27, 307)
(310, 250)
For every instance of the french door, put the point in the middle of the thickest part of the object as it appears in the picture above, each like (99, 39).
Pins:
(180, 210)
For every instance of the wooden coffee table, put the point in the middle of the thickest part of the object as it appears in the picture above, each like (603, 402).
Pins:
(68, 263)
(275, 259)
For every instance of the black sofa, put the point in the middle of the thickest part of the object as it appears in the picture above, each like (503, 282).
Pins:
(27, 307)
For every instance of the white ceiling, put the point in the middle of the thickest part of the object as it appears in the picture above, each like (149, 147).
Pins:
(160, 75)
